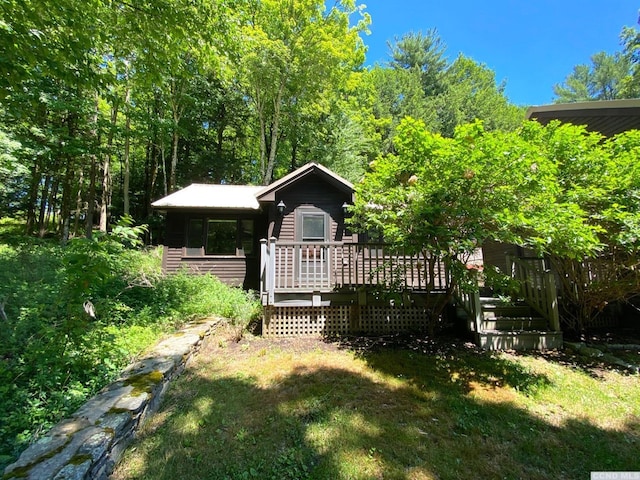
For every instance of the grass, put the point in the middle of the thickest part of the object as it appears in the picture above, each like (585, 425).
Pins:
(307, 409)
(53, 354)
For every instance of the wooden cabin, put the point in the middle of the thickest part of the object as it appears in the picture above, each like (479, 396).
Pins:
(289, 241)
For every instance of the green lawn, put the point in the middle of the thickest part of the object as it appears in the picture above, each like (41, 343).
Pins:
(295, 409)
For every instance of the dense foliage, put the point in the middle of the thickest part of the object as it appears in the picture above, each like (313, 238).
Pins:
(108, 105)
(559, 190)
(74, 316)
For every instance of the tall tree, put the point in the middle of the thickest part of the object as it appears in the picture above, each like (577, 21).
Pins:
(452, 94)
(603, 79)
(296, 52)
(630, 39)
(423, 53)
(472, 93)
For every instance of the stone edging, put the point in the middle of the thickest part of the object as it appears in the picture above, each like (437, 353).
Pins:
(89, 444)
(605, 353)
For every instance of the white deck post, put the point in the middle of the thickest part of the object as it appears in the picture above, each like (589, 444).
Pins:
(478, 316)
(264, 255)
(271, 271)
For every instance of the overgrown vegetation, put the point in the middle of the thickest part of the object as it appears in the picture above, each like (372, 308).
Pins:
(73, 316)
(566, 193)
(393, 408)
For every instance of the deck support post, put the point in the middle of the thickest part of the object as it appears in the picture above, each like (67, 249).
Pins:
(271, 271)
(264, 253)
(552, 295)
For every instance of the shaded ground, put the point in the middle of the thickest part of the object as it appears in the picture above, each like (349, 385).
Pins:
(450, 344)
(396, 407)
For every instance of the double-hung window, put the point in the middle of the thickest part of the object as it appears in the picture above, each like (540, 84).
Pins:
(312, 225)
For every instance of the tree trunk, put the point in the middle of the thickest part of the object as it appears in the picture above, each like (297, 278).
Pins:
(176, 111)
(91, 199)
(65, 206)
(275, 127)
(76, 224)
(163, 166)
(93, 172)
(67, 188)
(105, 201)
(174, 161)
(50, 218)
(44, 196)
(263, 142)
(33, 198)
(127, 150)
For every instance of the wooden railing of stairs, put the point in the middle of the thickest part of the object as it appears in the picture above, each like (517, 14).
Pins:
(531, 323)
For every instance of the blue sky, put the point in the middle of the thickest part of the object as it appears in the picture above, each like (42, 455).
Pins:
(531, 44)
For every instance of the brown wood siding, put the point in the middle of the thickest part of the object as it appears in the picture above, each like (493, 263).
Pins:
(311, 191)
(495, 253)
(236, 271)
(230, 270)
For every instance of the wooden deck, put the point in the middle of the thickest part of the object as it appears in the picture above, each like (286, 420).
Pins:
(336, 288)
(306, 272)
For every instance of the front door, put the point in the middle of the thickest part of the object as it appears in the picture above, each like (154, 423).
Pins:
(313, 263)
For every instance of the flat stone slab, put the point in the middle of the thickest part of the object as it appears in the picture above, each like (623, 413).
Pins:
(89, 443)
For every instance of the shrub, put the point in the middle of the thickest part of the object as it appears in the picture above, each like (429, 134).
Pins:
(76, 315)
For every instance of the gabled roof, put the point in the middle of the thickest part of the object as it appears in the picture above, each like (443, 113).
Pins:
(244, 197)
(608, 117)
(268, 193)
(198, 195)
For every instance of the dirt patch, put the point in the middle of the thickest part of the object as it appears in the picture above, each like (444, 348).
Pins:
(234, 342)
(228, 340)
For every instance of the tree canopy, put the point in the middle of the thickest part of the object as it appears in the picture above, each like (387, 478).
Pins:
(557, 189)
(109, 105)
(609, 76)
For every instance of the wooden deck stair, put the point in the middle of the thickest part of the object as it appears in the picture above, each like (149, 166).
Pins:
(513, 326)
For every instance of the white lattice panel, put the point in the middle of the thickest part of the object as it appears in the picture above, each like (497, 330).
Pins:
(306, 321)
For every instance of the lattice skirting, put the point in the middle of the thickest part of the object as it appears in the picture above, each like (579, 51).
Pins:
(343, 319)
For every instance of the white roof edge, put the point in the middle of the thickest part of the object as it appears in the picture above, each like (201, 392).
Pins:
(301, 170)
(200, 195)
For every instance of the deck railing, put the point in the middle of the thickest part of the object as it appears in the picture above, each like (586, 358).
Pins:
(538, 287)
(328, 266)
(469, 301)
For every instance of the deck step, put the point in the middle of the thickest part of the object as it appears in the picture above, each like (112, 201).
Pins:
(514, 323)
(491, 311)
(519, 340)
(514, 326)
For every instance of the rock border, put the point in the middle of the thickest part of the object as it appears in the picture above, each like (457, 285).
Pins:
(89, 443)
(606, 353)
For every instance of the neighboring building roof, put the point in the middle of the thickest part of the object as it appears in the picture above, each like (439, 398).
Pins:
(608, 117)
(268, 193)
(198, 195)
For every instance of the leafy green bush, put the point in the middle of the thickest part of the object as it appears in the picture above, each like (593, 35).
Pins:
(76, 315)
(185, 296)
